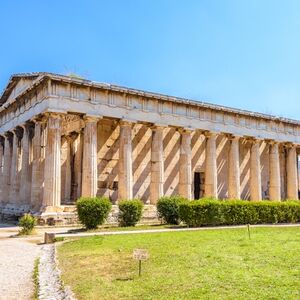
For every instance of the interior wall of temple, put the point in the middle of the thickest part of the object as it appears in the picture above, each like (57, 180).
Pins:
(244, 149)
(223, 144)
(171, 146)
(265, 171)
(283, 172)
(141, 161)
(108, 155)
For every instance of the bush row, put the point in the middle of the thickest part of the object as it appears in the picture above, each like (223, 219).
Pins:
(93, 211)
(229, 212)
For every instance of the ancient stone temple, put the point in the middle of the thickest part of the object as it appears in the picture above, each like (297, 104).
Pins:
(64, 137)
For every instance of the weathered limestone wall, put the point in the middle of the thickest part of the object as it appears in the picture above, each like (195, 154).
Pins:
(265, 170)
(223, 145)
(245, 148)
(108, 155)
(171, 158)
(141, 161)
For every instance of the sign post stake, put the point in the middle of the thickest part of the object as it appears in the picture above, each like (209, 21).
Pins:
(140, 267)
(140, 254)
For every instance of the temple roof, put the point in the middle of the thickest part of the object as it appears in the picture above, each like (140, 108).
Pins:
(34, 79)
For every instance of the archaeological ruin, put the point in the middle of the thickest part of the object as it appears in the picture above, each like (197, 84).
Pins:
(64, 137)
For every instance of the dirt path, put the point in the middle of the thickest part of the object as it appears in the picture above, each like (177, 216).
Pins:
(17, 256)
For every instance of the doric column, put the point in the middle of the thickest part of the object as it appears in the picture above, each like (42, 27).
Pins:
(275, 189)
(1, 169)
(89, 164)
(234, 190)
(185, 165)
(52, 173)
(77, 152)
(255, 172)
(25, 183)
(36, 174)
(292, 178)
(125, 162)
(6, 168)
(15, 168)
(211, 173)
(157, 164)
(1, 154)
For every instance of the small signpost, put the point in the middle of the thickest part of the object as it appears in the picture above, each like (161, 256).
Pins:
(248, 228)
(140, 254)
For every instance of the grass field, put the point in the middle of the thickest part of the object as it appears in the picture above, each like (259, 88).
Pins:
(210, 264)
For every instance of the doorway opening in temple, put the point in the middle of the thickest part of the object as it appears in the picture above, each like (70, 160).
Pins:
(199, 180)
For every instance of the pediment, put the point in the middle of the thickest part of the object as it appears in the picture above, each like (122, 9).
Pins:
(16, 85)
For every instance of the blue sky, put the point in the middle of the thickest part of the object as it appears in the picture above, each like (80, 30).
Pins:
(238, 53)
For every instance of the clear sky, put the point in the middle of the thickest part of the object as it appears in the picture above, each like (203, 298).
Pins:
(244, 54)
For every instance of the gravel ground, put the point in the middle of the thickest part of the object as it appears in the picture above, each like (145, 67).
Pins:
(49, 277)
(17, 256)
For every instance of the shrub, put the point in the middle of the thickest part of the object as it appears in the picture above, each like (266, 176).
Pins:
(93, 211)
(168, 209)
(27, 222)
(130, 212)
(236, 212)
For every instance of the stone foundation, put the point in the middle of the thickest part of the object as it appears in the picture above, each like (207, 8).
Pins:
(68, 216)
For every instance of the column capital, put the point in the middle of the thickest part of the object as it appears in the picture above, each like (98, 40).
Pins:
(233, 137)
(184, 130)
(211, 134)
(289, 145)
(158, 127)
(41, 119)
(91, 118)
(126, 123)
(18, 131)
(8, 135)
(253, 140)
(271, 142)
(54, 115)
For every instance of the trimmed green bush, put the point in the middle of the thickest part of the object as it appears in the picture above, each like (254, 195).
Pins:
(168, 209)
(27, 222)
(236, 212)
(130, 212)
(93, 211)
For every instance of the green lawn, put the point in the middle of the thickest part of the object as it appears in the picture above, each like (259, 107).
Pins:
(210, 264)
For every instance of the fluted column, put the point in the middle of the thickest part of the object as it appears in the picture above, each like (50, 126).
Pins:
(292, 178)
(275, 188)
(157, 165)
(77, 151)
(255, 172)
(1, 154)
(25, 181)
(234, 190)
(15, 168)
(125, 162)
(6, 168)
(52, 173)
(211, 173)
(185, 165)
(89, 164)
(1, 170)
(36, 173)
